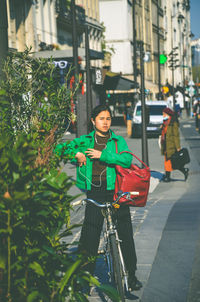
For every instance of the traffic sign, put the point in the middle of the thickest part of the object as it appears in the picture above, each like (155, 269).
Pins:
(163, 59)
(191, 83)
(191, 91)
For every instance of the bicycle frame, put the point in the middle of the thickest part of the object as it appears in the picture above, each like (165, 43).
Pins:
(112, 250)
(111, 229)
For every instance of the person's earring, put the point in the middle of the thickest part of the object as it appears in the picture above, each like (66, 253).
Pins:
(94, 126)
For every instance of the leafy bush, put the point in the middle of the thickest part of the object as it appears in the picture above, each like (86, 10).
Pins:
(35, 262)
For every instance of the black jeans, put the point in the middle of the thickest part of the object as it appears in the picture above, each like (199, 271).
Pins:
(92, 227)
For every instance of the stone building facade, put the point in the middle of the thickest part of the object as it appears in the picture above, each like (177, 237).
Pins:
(161, 25)
(178, 40)
(46, 26)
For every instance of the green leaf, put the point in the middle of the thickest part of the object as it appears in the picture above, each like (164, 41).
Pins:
(2, 261)
(2, 92)
(68, 274)
(80, 297)
(110, 291)
(49, 250)
(91, 280)
(43, 213)
(31, 251)
(37, 268)
(31, 297)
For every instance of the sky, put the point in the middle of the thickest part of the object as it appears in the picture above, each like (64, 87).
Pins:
(195, 18)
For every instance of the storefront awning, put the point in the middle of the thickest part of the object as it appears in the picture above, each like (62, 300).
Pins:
(114, 81)
(68, 54)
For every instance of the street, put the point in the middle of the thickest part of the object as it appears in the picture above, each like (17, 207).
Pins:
(166, 231)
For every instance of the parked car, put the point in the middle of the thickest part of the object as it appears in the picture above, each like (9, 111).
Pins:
(154, 118)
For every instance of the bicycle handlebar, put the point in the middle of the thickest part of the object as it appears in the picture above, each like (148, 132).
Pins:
(100, 205)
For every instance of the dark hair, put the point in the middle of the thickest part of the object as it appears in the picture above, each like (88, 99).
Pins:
(96, 110)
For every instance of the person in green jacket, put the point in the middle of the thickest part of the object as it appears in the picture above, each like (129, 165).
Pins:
(96, 157)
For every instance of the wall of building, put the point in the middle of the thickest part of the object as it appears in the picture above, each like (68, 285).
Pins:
(195, 45)
(153, 18)
(117, 19)
(30, 23)
(177, 34)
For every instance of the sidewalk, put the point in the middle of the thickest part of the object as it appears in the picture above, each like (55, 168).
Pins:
(167, 238)
(166, 230)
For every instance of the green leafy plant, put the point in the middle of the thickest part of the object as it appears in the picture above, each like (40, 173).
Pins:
(35, 261)
(33, 97)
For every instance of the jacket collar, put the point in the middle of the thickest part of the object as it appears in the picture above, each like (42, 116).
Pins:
(113, 135)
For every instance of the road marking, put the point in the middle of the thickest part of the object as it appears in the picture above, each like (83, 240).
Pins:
(187, 126)
(153, 184)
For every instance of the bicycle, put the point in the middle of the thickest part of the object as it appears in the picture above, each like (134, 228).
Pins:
(112, 251)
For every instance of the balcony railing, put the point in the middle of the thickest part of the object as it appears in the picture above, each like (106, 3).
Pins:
(63, 10)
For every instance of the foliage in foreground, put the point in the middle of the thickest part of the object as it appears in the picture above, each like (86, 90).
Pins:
(35, 262)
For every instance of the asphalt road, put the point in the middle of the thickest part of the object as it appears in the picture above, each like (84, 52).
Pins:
(166, 231)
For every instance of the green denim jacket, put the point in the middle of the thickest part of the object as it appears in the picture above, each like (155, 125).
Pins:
(109, 156)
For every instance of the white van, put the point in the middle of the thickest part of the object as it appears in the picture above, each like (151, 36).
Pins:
(155, 118)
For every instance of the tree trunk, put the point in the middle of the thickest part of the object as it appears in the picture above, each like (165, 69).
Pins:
(3, 35)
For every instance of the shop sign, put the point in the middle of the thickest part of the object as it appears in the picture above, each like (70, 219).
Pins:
(98, 76)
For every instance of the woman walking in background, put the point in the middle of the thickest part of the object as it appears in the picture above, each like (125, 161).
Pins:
(170, 142)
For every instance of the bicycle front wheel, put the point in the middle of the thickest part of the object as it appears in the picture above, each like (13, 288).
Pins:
(116, 269)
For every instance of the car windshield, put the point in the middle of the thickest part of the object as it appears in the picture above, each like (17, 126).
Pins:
(153, 109)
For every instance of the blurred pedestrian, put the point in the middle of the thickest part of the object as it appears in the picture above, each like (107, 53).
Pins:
(196, 112)
(170, 142)
(170, 101)
(179, 99)
(177, 109)
(128, 112)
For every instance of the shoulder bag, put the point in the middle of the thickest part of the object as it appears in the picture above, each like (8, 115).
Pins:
(133, 179)
(180, 158)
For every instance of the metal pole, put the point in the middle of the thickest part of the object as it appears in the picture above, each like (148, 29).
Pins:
(144, 134)
(74, 39)
(173, 86)
(187, 109)
(3, 35)
(158, 29)
(134, 43)
(75, 57)
(88, 77)
(172, 46)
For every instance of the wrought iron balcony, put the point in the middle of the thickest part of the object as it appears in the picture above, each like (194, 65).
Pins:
(63, 11)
